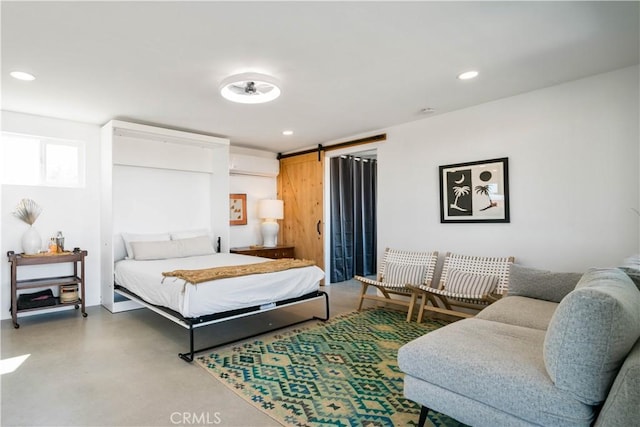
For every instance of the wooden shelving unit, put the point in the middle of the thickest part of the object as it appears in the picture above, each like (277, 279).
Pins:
(19, 260)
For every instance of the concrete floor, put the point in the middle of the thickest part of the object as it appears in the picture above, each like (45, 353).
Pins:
(123, 370)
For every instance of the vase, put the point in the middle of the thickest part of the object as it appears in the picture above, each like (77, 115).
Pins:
(31, 241)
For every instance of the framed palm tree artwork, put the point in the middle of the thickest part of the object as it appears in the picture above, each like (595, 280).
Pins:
(475, 191)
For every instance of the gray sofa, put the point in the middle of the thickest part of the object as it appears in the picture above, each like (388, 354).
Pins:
(551, 353)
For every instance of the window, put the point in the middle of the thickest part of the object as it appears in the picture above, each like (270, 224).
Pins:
(34, 160)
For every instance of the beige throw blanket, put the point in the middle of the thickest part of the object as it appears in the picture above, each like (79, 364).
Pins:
(207, 274)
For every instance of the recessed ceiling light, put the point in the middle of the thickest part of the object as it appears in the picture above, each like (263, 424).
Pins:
(468, 75)
(21, 75)
(250, 88)
(287, 132)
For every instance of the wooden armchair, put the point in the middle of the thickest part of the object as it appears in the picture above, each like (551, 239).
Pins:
(470, 282)
(398, 270)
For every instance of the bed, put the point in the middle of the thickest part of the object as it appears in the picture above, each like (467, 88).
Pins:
(196, 305)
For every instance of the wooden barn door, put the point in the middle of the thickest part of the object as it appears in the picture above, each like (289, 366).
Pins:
(300, 186)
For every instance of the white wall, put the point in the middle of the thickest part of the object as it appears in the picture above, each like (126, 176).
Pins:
(74, 211)
(256, 188)
(573, 175)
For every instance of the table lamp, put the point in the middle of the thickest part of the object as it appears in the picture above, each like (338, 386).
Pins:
(270, 211)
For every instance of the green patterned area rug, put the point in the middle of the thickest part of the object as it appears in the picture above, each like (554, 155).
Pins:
(340, 373)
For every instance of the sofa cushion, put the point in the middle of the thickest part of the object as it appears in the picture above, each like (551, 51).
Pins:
(467, 411)
(495, 364)
(520, 311)
(633, 274)
(631, 266)
(541, 284)
(591, 332)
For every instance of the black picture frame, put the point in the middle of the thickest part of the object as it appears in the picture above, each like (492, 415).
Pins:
(475, 192)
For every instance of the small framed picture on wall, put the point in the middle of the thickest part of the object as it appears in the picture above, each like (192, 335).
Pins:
(237, 209)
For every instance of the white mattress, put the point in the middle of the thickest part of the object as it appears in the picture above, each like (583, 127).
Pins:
(144, 278)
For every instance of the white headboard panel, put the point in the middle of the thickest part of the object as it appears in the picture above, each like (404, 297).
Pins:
(147, 200)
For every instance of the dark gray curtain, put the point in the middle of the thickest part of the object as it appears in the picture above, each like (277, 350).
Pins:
(353, 217)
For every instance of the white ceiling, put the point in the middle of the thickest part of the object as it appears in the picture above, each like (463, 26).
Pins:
(345, 68)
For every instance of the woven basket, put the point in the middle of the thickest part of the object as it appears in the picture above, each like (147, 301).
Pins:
(69, 294)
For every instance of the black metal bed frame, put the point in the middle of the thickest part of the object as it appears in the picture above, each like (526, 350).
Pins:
(191, 323)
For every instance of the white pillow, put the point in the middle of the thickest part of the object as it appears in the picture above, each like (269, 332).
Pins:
(172, 249)
(133, 237)
(119, 249)
(187, 234)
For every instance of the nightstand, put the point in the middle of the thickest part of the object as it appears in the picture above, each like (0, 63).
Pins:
(280, 251)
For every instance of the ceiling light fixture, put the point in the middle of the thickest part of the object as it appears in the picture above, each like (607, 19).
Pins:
(468, 75)
(287, 132)
(250, 88)
(21, 75)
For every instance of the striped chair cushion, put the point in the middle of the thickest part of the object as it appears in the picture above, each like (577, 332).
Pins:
(404, 274)
(460, 282)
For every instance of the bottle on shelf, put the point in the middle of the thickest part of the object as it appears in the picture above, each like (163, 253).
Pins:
(60, 241)
(53, 247)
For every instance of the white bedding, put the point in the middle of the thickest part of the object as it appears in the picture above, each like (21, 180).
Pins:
(144, 278)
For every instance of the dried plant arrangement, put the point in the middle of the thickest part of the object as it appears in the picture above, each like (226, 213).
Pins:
(27, 211)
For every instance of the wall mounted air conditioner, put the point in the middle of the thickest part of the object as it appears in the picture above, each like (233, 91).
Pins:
(240, 164)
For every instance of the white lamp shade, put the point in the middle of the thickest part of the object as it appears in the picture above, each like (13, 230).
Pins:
(270, 209)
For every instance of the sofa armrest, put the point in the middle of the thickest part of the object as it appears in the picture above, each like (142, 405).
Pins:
(622, 407)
